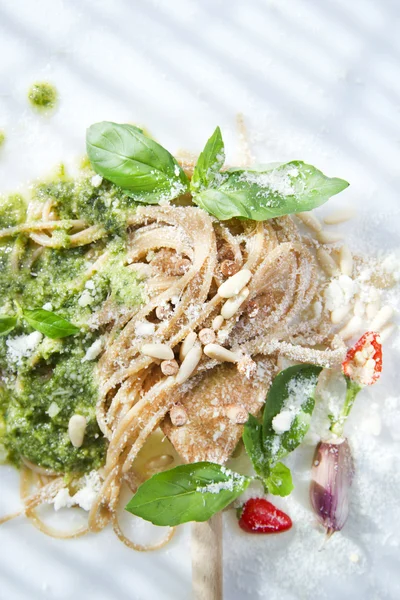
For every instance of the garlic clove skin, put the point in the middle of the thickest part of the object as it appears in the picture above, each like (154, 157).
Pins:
(331, 478)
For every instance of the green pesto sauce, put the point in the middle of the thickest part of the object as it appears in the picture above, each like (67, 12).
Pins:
(42, 95)
(12, 210)
(40, 392)
(107, 205)
(36, 415)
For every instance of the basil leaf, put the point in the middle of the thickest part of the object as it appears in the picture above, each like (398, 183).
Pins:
(124, 155)
(7, 324)
(209, 163)
(277, 479)
(51, 325)
(253, 442)
(187, 493)
(264, 194)
(279, 482)
(292, 390)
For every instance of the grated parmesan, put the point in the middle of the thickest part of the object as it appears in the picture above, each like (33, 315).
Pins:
(93, 351)
(22, 346)
(339, 292)
(84, 497)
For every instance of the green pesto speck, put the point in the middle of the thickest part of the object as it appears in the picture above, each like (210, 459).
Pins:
(43, 95)
(2, 137)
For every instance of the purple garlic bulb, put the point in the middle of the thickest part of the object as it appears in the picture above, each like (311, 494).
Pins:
(331, 478)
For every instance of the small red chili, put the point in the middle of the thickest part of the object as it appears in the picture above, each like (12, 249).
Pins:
(260, 516)
(363, 363)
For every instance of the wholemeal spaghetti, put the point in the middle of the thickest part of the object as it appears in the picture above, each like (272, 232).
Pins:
(180, 255)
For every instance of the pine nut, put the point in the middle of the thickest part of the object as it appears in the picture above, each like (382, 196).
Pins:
(326, 262)
(351, 328)
(229, 268)
(317, 309)
(232, 305)
(339, 314)
(359, 308)
(189, 364)
(232, 286)
(178, 416)
(380, 320)
(339, 216)
(373, 309)
(169, 367)
(144, 328)
(160, 351)
(218, 352)
(328, 237)
(236, 414)
(76, 430)
(310, 221)
(159, 462)
(217, 322)
(387, 331)
(187, 344)
(207, 336)
(346, 261)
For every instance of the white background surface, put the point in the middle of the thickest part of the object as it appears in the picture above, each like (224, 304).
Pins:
(316, 80)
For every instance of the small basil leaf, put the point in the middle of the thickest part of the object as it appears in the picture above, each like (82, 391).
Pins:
(124, 155)
(51, 325)
(292, 390)
(253, 442)
(7, 324)
(279, 482)
(208, 166)
(259, 195)
(187, 493)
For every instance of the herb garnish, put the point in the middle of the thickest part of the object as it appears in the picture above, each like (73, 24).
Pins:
(259, 193)
(196, 491)
(124, 155)
(7, 324)
(209, 164)
(187, 493)
(265, 447)
(50, 324)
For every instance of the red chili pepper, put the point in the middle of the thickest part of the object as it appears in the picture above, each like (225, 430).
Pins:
(363, 363)
(260, 516)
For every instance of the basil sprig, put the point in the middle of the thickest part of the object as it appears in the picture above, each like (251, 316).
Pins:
(209, 164)
(50, 324)
(259, 193)
(7, 324)
(124, 155)
(293, 390)
(187, 493)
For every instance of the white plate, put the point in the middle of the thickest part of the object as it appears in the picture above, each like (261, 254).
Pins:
(318, 81)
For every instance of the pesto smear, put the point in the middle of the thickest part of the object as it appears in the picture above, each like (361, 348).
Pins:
(43, 95)
(43, 381)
